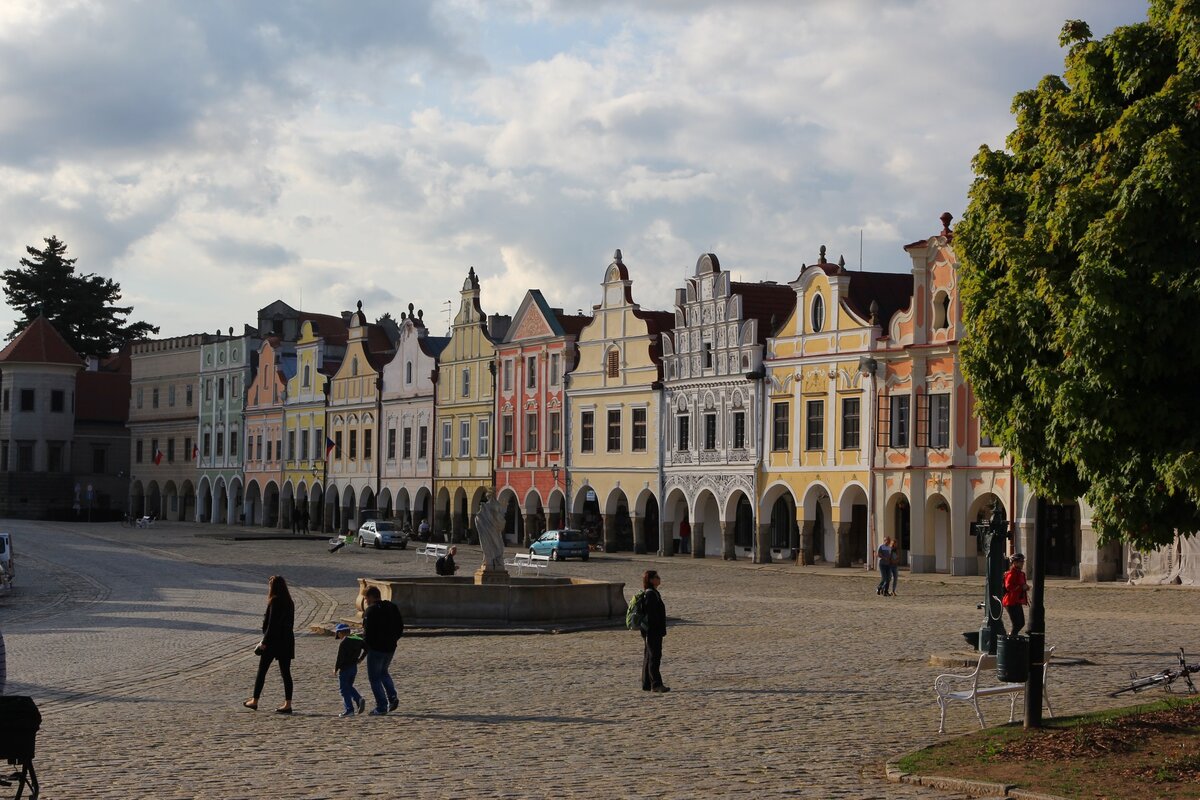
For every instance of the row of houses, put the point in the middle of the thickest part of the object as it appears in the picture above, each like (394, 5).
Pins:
(803, 420)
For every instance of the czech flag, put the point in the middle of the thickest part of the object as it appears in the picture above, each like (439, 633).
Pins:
(158, 457)
(329, 446)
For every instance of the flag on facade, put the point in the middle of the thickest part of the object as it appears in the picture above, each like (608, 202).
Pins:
(158, 457)
(195, 451)
(329, 446)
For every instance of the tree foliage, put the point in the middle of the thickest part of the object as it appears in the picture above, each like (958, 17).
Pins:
(1080, 251)
(81, 307)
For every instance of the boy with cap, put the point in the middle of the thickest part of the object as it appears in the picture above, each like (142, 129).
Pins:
(1016, 593)
(351, 651)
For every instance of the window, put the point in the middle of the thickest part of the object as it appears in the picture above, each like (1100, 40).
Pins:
(354, 367)
(220, 443)
(269, 441)
(291, 440)
(208, 384)
(899, 427)
(233, 442)
(531, 433)
(153, 449)
(779, 426)
(28, 398)
(139, 397)
(555, 364)
(818, 313)
(307, 376)
(220, 388)
(5, 407)
(614, 430)
(506, 433)
(683, 432)
(391, 445)
(814, 425)
(187, 396)
(368, 435)
(235, 384)
(708, 355)
(554, 419)
(303, 445)
(171, 450)
(422, 440)
(249, 447)
(406, 448)
(278, 449)
(54, 456)
(464, 438)
(260, 447)
(508, 374)
(99, 459)
(639, 430)
(408, 372)
(466, 382)
(353, 444)
(57, 397)
(25, 456)
(154, 398)
(850, 423)
(171, 395)
(739, 430)
(587, 431)
(3, 456)
(485, 441)
(447, 435)
(614, 363)
(939, 420)
(337, 445)
(531, 372)
(941, 311)
(208, 444)
(319, 445)
(710, 430)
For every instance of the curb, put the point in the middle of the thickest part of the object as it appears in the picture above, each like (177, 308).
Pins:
(971, 788)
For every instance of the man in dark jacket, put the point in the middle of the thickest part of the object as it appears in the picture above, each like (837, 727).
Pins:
(382, 628)
(653, 632)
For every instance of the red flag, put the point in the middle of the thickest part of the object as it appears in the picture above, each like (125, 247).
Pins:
(158, 457)
(195, 451)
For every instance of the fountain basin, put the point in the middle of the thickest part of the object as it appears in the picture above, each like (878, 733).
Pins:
(519, 602)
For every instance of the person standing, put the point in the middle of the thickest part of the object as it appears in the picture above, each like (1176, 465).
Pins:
(894, 566)
(304, 518)
(652, 635)
(382, 628)
(278, 642)
(350, 652)
(1016, 593)
(884, 557)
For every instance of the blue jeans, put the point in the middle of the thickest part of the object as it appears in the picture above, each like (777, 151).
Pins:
(894, 571)
(381, 682)
(885, 571)
(350, 695)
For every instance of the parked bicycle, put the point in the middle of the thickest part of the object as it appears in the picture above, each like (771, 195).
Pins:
(1163, 679)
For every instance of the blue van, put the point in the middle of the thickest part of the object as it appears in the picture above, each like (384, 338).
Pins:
(560, 545)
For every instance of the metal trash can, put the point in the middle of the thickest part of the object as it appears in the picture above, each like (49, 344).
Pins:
(1012, 659)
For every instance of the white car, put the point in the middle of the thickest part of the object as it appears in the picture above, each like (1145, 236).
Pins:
(381, 533)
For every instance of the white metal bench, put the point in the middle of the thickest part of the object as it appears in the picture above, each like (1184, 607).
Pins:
(434, 550)
(971, 689)
(523, 561)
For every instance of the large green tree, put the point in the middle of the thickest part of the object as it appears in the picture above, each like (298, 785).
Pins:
(81, 307)
(1080, 250)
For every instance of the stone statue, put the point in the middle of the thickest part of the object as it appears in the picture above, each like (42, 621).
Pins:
(489, 524)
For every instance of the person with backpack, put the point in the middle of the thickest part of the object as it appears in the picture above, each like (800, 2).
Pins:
(653, 625)
(382, 628)
(445, 564)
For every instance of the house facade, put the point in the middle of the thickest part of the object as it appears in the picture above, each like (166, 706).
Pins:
(226, 365)
(712, 399)
(615, 423)
(532, 363)
(263, 424)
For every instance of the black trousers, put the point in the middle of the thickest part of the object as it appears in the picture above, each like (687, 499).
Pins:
(1016, 614)
(651, 677)
(285, 670)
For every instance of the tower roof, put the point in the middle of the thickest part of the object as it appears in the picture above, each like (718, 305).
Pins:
(40, 343)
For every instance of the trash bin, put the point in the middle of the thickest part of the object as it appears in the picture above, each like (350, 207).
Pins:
(1012, 659)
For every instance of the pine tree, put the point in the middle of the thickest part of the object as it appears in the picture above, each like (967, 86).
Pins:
(81, 307)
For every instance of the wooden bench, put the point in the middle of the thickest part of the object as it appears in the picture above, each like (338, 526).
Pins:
(434, 551)
(523, 561)
(946, 688)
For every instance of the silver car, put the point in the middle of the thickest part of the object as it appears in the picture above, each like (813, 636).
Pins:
(381, 533)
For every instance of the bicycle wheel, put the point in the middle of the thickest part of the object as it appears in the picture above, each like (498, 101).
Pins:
(1140, 685)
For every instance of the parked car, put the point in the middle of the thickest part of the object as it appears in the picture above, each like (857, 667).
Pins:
(560, 545)
(7, 570)
(381, 533)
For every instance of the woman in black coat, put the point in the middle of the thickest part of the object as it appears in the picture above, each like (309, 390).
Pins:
(656, 629)
(278, 642)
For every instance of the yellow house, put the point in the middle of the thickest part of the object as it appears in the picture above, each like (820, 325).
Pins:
(814, 493)
(464, 407)
(614, 403)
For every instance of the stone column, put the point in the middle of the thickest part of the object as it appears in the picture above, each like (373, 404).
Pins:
(762, 544)
(639, 534)
(530, 529)
(728, 537)
(666, 547)
(698, 539)
(609, 522)
(841, 547)
(805, 545)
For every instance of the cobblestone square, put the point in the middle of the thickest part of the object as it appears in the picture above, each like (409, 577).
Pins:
(786, 681)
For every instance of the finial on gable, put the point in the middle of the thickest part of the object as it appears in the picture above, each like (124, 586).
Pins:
(821, 256)
(874, 312)
(945, 218)
(360, 306)
(617, 256)
(841, 265)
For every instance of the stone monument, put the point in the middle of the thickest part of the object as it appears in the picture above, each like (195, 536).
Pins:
(489, 524)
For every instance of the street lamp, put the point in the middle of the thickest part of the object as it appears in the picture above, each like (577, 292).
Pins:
(554, 473)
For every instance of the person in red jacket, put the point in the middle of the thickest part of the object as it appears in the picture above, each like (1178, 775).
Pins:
(1016, 593)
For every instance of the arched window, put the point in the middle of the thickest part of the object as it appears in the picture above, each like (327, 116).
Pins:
(354, 367)
(408, 372)
(307, 375)
(818, 313)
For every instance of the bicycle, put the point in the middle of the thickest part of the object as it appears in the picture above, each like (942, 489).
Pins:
(1164, 678)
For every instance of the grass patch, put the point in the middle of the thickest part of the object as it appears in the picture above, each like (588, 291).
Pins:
(1148, 750)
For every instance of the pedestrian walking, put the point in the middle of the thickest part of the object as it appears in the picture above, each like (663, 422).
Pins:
(1016, 593)
(351, 651)
(884, 558)
(382, 628)
(304, 518)
(652, 635)
(278, 642)
(894, 566)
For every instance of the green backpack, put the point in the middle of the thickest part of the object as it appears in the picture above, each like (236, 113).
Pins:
(635, 614)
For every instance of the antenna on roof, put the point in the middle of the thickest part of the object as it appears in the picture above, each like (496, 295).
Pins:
(860, 249)
(449, 320)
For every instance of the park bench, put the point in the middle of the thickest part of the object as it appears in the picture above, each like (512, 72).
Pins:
(972, 690)
(524, 561)
(434, 551)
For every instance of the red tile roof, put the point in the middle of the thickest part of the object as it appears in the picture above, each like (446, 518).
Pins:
(765, 302)
(39, 343)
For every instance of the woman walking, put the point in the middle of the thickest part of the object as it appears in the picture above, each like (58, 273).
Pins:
(278, 642)
(884, 556)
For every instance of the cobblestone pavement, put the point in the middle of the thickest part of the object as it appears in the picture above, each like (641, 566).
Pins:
(787, 681)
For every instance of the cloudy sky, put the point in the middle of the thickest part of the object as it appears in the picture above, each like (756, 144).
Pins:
(212, 157)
